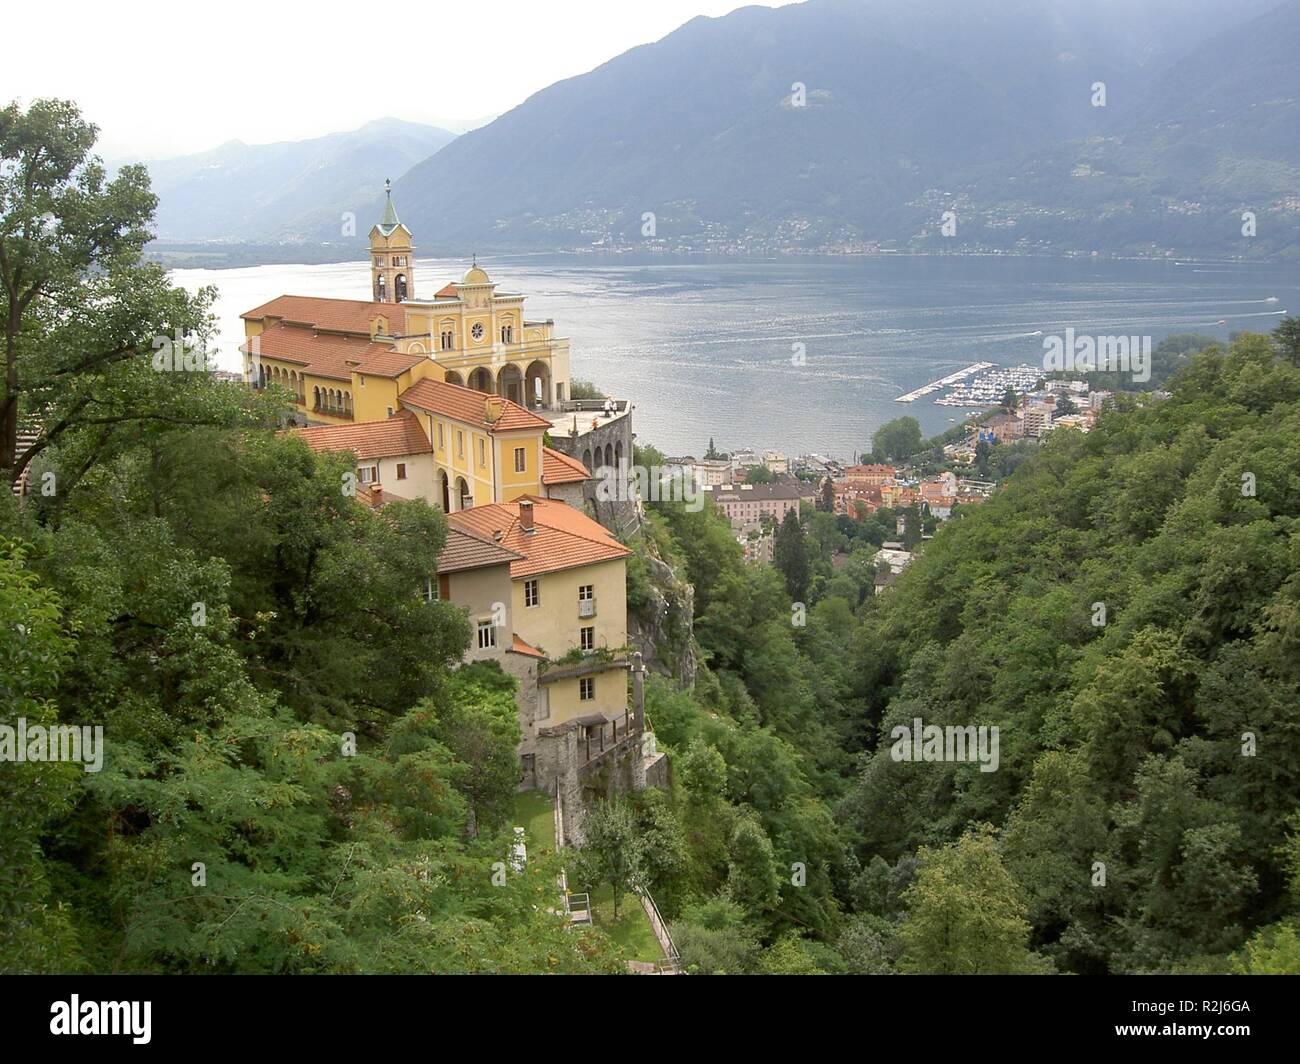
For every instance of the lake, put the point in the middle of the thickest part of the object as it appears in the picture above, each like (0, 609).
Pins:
(706, 347)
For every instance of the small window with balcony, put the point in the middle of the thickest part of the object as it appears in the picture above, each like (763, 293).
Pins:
(487, 635)
(587, 639)
(521, 460)
(532, 597)
(587, 689)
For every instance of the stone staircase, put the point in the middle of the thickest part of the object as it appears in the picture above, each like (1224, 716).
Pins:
(26, 437)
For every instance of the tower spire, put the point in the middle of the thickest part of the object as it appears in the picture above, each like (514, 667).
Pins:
(392, 256)
(388, 220)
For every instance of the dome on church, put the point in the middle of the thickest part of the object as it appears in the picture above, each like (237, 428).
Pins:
(475, 275)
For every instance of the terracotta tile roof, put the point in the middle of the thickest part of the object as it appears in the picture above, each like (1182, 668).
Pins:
(334, 315)
(389, 363)
(467, 405)
(392, 438)
(447, 291)
(559, 468)
(322, 355)
(466, 549)
(562, 538)
(518, 646)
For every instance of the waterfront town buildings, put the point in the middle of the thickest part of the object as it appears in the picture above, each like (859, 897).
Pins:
(741, 503)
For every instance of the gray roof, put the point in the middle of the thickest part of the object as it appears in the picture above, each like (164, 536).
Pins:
(388, 220)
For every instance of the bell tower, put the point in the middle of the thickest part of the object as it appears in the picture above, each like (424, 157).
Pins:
(392, 278)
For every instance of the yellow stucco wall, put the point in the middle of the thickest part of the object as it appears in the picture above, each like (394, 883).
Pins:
(610, 697)
(529, 481)
(478, 592)
(553, 625)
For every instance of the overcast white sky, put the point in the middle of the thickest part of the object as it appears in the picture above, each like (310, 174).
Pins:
(168, 78)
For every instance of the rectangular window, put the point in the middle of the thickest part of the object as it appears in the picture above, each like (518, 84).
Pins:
(487, 635)
(401, 470)
(531, 595)
(521, 459)
(586, 689)
(440, 441)
(587, 639)
(430, 593)
(586, 592)
(368, 474)
(460, 444)
(482, 452)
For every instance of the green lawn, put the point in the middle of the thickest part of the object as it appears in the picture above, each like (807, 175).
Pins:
(535, 813)
(632, 931)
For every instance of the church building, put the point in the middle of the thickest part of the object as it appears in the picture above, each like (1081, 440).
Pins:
(346, 360)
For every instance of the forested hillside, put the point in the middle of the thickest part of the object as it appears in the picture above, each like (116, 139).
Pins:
(1127, 613)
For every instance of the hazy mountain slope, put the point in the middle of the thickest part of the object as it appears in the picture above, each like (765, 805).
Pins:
(907, 104)
(285, 190)
(1217, 133)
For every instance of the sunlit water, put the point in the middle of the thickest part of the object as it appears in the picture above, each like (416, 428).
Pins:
(705, 348)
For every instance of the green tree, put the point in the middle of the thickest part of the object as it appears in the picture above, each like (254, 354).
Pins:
(790, 555)
(36, 933)
(71, 240)
(613, 854)
(714, 938)
(966, 915)
(1287, 337)
(898, 439)
(752, 878)
(477, 720)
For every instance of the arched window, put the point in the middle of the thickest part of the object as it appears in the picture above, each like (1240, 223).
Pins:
(399, 287)
(507, 333)
(315, 392)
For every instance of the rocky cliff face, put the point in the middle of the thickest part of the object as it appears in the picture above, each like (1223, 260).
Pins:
(662, 628)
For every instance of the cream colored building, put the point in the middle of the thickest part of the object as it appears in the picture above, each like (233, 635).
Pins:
(568, 603)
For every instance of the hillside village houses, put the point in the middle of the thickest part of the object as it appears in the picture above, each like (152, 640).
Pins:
(449, 399)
